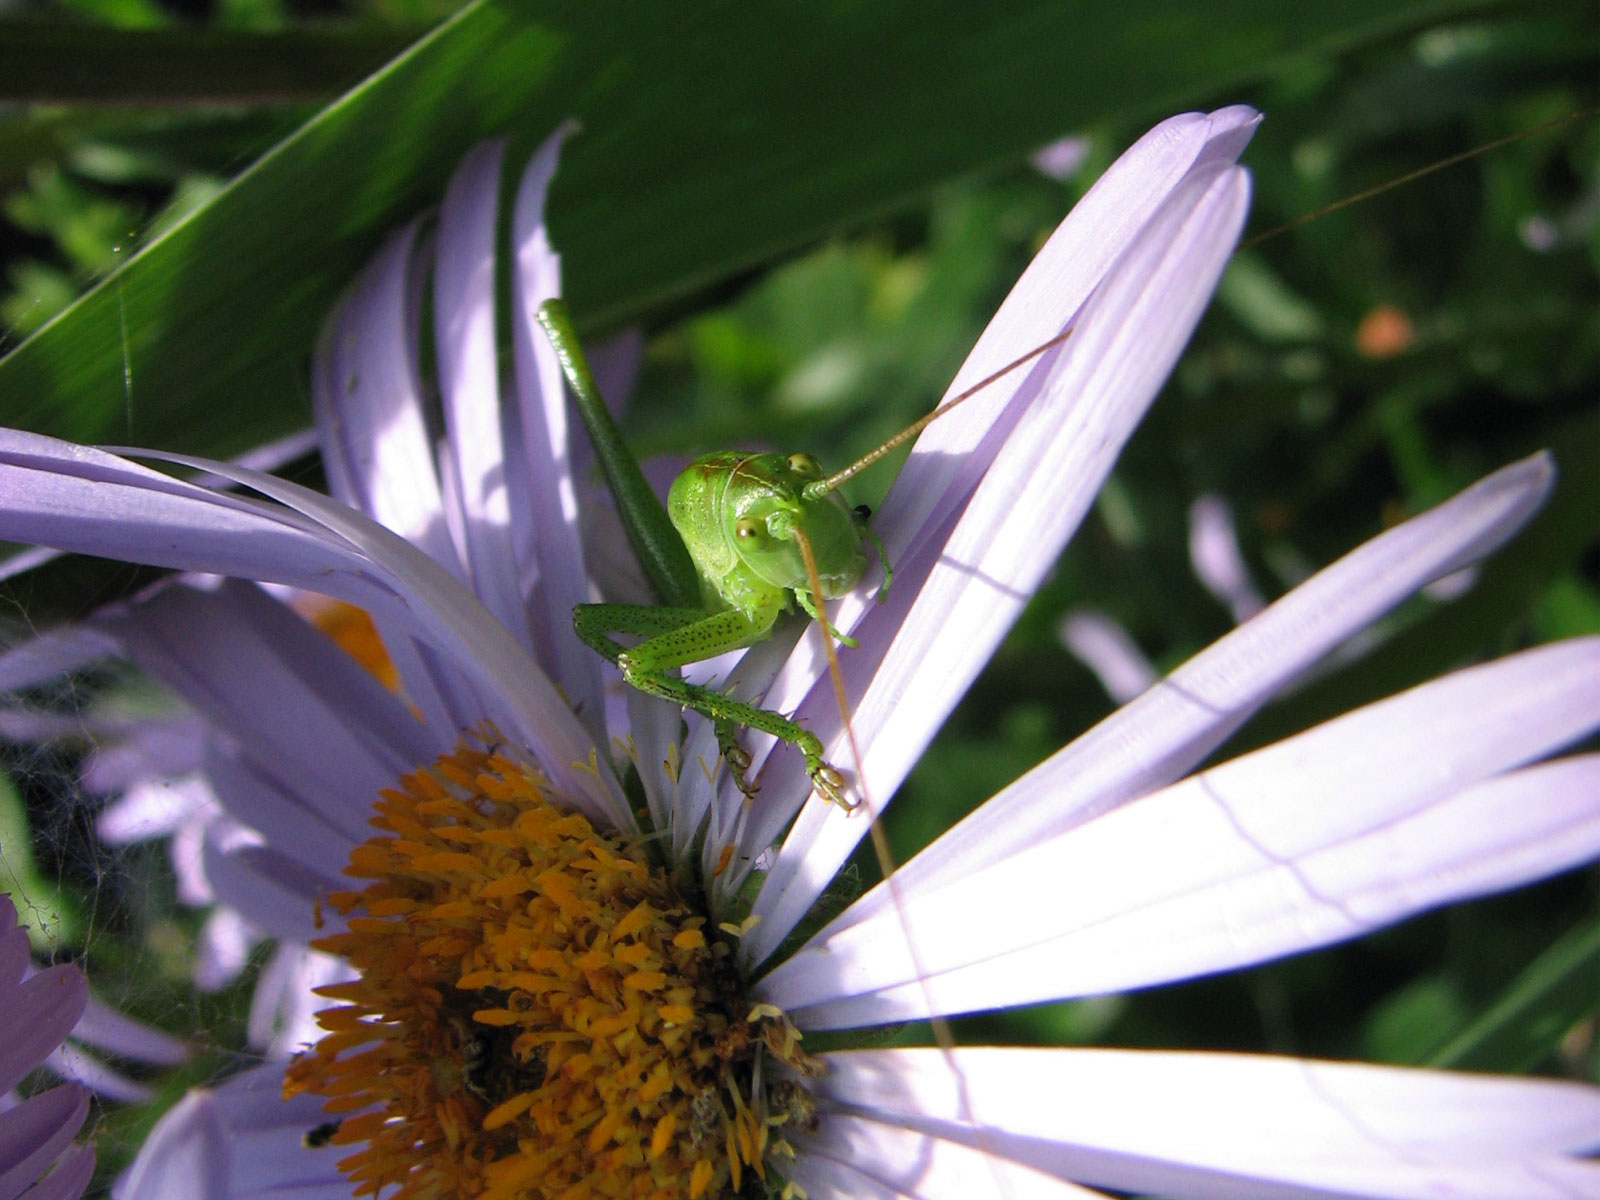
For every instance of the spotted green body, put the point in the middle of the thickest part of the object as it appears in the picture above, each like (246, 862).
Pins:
(725, 556)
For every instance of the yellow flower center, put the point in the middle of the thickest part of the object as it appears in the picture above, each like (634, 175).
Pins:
(538, 1014)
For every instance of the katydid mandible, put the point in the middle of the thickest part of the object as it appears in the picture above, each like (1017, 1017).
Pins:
(743, 537)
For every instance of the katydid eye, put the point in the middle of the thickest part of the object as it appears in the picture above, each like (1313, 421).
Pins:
(804, 464)
(748, 529)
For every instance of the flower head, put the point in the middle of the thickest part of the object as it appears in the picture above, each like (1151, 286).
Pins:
(557, 996)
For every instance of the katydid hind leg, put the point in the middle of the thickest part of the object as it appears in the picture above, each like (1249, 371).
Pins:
(675, 637)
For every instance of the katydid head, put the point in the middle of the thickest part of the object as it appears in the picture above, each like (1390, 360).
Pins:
(742, 517)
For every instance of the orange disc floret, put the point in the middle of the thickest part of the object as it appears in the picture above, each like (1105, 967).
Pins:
(536, 1014)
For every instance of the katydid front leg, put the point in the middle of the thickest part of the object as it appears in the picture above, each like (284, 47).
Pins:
(733, 539)
(674, 637)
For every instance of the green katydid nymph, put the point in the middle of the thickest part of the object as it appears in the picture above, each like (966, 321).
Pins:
(742, 539)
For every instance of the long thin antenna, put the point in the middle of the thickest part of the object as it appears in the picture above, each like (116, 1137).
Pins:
(823, 486)
(881, 850)
(1357, 198)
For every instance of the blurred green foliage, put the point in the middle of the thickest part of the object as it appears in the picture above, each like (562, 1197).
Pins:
(1354, 369)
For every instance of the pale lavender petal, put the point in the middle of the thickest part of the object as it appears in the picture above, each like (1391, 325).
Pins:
(943, 466)
(507, 687)
(1356, 824)
(70, 1063)
(315, 830)
(732, 821)
(73, 1172)
(107, 1029)
(39, 1012)
(14, 950)
(241, 1141)
(1218, 562)
(87, 501)
(953, 454)
(19, 724)
(1105, 648)
(311, 720)
(1011, 530)
(127, 754)
(539, 467)
(367, 398)
(854, 1158)
(1062, 157)
(469, 384)
(1165, 732)
(615, 361)
(27, 560)
(152, 808)
(267, 457)
(675, 790)
(36, 1134)
(1452, 586)
(226, 940)
(613, 568)
(1236, 1127)
(186, 851)
(271, 890)
(44, 659)
(284, 1007)
(184, 1155)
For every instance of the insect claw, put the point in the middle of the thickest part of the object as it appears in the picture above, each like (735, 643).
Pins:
(830, 783)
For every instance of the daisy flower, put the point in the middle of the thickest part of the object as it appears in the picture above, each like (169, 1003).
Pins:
(38, 1160)
(559, 990)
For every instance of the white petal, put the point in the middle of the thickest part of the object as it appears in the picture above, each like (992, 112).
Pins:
(318, 734)
(856, 1158)
(1231, 1126)
(397, 583)
(153, 808)
(469, 383)
(77, 1065)
(367, 397)
(226, 940)
(44, 659)
(111, 1031)
(1217, 560)
(1012, 529)
(1350, 826)
(544, 509)
(240, 1141)
(1066, 270)
(1153, 741)
(1106, 648)
(270, 890)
